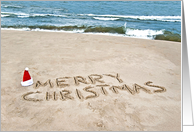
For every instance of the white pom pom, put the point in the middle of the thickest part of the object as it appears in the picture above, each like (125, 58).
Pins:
(26, 68)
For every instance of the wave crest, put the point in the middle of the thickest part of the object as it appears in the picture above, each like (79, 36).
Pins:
(105, 18)
(158, 18)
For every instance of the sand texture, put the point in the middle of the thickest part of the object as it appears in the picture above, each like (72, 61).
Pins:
(85, 82)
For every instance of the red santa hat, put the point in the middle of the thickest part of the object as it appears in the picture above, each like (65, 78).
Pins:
(27, 80)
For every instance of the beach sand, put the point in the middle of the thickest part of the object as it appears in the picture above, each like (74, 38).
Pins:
(82, 63)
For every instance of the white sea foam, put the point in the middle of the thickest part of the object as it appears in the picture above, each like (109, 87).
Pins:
(43, 30)
(19, 14)
(14, 6)
(79, 31)
(152, 17)
(87, 15)
(101, 17)
(7, 13)
(34, 15)
(145, 34)
(4, 15)
(159, 18)
(17, 29)
(105, 18)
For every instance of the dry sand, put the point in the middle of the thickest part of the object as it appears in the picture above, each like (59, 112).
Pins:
(88, 107)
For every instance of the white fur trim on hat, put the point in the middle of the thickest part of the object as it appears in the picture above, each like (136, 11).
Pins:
(27, 83)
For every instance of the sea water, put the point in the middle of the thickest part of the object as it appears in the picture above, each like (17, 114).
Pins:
(140, 19)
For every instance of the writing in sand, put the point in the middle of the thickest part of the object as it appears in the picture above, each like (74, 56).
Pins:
(64, 94)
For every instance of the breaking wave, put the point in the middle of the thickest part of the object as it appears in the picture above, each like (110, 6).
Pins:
(105, 18)
(97, 17)
(116, 31)
(156, 18)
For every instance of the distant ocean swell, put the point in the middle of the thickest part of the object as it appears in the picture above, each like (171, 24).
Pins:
(119, 31)
(23, 15)
(11, 6)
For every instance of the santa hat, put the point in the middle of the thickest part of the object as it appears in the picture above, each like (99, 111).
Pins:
(27, 80)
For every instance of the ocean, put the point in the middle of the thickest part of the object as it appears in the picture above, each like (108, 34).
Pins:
(139, 19)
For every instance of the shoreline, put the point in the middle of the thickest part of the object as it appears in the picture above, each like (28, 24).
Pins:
(69, 71)
(103, 34)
